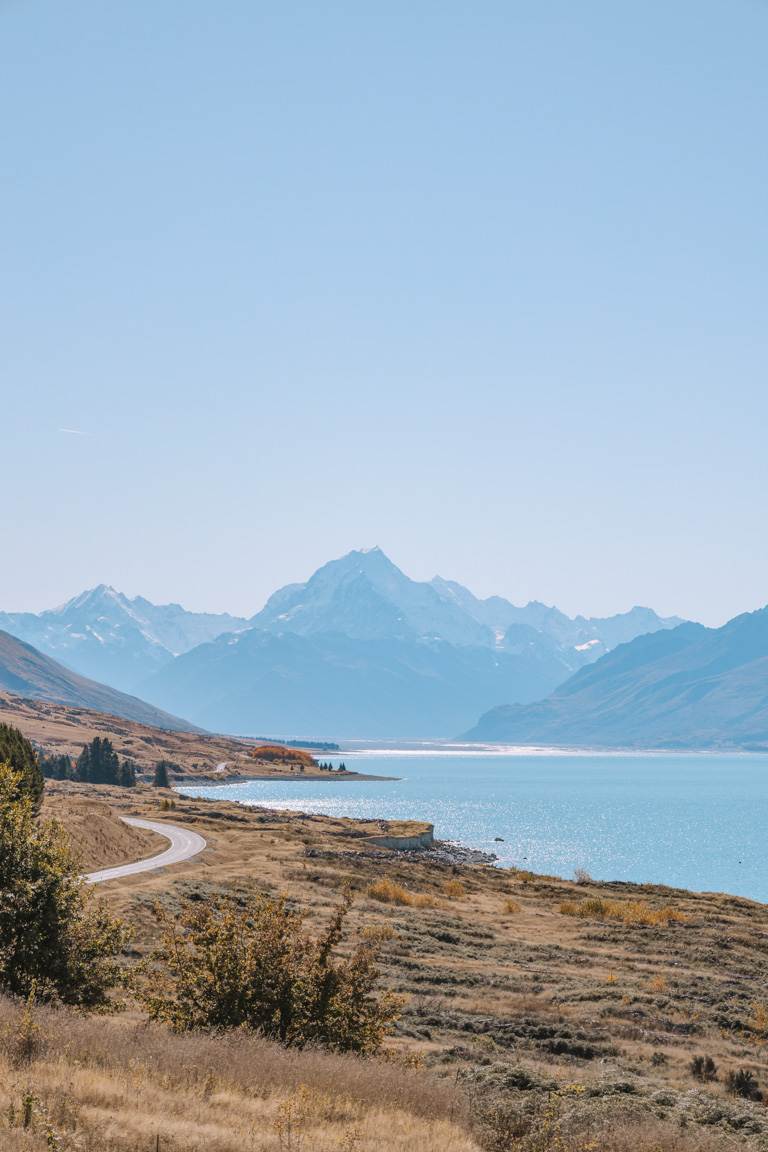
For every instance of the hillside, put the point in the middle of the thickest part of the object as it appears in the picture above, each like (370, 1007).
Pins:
(26, 672)
(569, 1010)
(693, 687)
(59, 729)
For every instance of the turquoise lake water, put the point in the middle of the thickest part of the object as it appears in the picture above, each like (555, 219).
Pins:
(695, 821)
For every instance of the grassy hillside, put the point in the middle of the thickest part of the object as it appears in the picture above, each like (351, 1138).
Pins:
(61, 729)
(536, 1005)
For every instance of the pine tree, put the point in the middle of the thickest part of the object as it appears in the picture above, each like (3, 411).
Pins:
(162, 774)
(127, 774)
(98, 763)
(16, 751)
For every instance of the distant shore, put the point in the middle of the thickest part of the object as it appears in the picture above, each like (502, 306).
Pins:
(281, 777)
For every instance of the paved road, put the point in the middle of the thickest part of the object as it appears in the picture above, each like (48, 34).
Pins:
(184, 845)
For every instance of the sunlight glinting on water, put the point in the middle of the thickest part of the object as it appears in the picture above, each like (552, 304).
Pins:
(694, 821)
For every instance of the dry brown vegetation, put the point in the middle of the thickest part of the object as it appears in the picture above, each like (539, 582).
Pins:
(97, 836)
(626, 911)
(278, 754)
(579, 1026)
(121, 1085)
(59, 729)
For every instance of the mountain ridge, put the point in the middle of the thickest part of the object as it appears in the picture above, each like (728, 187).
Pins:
(107, 636)
(691, 687)
(30, 674)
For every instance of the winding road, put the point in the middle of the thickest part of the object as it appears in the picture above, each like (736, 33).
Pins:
(184, 845)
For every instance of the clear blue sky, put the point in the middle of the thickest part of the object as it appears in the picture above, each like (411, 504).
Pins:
(483, 283)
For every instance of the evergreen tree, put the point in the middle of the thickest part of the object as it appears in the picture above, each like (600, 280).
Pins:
(127, 774)
(98, 763)
(163, 774)
(57, 767)
(18, 753)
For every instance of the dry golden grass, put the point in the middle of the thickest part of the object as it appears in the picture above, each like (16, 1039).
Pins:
(626, 911)
(387, 891)
(564, 999)
(454, 889)
(115, 1085)
(98, 836)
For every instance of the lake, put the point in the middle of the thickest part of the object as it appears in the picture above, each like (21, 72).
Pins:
(696, 821)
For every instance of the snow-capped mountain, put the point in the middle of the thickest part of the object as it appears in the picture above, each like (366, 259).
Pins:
(365, 596)
(105, 635)
(359, 648)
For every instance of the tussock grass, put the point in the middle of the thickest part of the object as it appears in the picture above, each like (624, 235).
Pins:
(454, 889)
(111, 1084)
(389, 892)
(626, 911)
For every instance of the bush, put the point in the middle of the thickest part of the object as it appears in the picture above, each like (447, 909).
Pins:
(56, 941)
(703, 1068)
(17, 752)
(223, 966)
(742, 1083)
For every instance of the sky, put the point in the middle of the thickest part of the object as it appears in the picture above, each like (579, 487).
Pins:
(482, 283)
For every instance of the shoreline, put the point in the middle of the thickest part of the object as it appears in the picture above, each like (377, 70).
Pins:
(301, 777)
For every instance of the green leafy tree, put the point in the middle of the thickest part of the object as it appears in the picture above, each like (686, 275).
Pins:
(222, 966)
(56, 940)
(16, 751)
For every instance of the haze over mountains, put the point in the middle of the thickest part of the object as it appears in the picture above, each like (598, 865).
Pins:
(105, 635)
(26, 672)
(693, 687)
(360, 650)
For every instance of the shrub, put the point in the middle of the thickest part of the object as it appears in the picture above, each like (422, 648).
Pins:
(17, 752)
(223, 966)
(454, 889)
(56, 940)
(742, 1083)
(581, 876)
(703, 1068)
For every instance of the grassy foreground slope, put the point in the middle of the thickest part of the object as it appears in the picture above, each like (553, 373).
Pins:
(546, 1010)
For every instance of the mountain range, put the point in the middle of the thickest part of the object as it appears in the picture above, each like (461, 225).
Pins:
(26, 672)
(103, 634)
(358, 650)
(692, 687)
